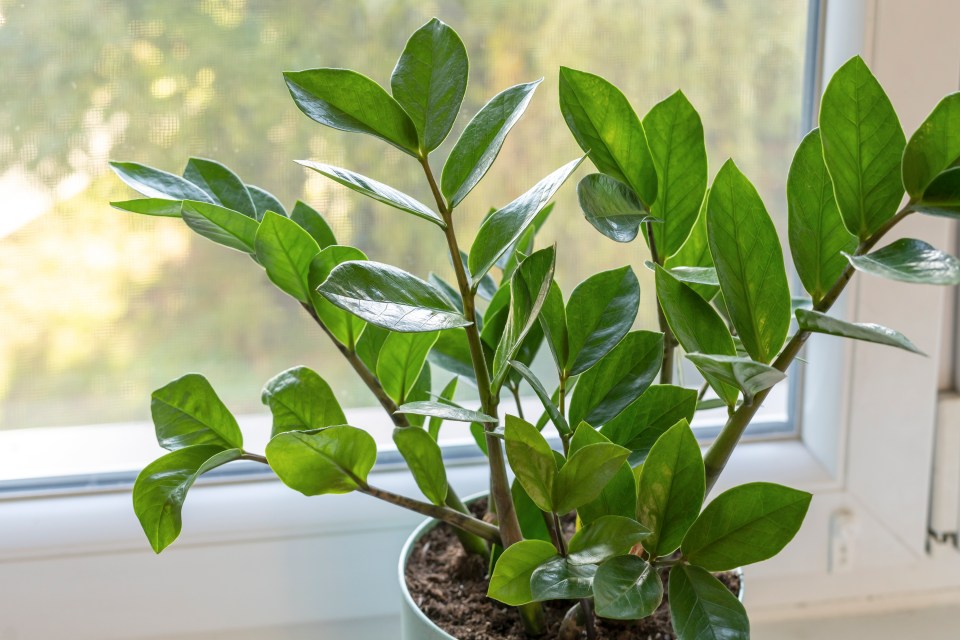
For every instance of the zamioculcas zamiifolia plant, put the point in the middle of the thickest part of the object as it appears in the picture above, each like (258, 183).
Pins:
(625, 459)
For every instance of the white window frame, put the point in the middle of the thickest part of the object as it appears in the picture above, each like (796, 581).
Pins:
(255, 555)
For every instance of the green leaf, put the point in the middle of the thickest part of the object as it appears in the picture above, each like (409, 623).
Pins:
(349, 101)
(822, 323)
(452, 353)
(505, 226)
(345, 327)
(156, 184)
(626, 588)
(532, 460)
(286, 251)
(746, 524)
(376, 190)
(862, 146)
(749, 376)
(150, 207)
(529, 515)
(401, 359)
(223, 226)
(552, 410)
(390, 298)
(675, 135)
(606, 127)
(585, 474)
(605, 538)
(933, 148)
(422, 391)
(369, 344)
(695, 252)
(645, 419)
(618, 498)
(528, 289)
(611, 207)
(510, 582)
(696, 325)
(553, 321)
(221, 184)
(448, 290)
(670, 489)
(162, 486)
(444, 411)
(312, 222)
(942, 197)
(817, 234)
(706, 276)
(425, 461)
(599, 314)
(331, 460)
(188, 412)
(909, 260)
(481, 141)
(560, 579)
(617, 379)
(265, 201)
(749, 263)
(702, 607)
(433, 427)
(430, 79)
(300, 400)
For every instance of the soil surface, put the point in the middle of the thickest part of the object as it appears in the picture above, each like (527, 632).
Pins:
(450, 587)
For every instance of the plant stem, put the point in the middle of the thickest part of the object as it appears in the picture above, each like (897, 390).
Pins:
(669, 341)
(722, 448)
(509, 524)
(515, 390)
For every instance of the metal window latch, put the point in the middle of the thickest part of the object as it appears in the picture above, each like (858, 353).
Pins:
(944, 526)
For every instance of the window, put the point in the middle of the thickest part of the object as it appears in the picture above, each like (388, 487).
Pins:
(102, 307)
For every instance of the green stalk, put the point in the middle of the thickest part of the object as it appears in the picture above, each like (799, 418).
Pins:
(510, 533)
(717, 456)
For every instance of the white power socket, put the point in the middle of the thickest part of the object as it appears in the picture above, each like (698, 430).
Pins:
(844, 530)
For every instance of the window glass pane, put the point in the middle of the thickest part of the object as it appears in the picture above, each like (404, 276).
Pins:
(101, 307)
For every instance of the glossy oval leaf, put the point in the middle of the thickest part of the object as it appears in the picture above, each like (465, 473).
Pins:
(481, 141)
(332, 460)
(445, 411)
(349, 101)
(605, 538)
(695, 253)
(223, 226)
(606, 127)
(187, 412)
(867, 331)
(626, 588)
(510, 582)
(611, 207)
(345, 327)
(286, 251)
(909, 260)
(451, 352)
(645, 419)
(670, 489)
(369, 344)
(162, 486)
(675, 135)
(749, 261)
(312, 222)
(560, 579)
(376, 190)
(150, 207)
(750, 376)
(557, 418)
(265, 201)
(505, 226)
(618, 498)
(863, 143)
(532, 460)
(157, 184)
(221, 184)
(553, 321)
(446, 395)
(619, 378)
(389, 298)
(425, 460)
(933, 148)
(749, 523)
(599, 314)
(401, 360)
(300, 400)
(817, 233)
(702, 607)
(430, 79)
(585, 474)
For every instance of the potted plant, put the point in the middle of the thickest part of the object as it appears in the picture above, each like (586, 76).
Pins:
(605, 524)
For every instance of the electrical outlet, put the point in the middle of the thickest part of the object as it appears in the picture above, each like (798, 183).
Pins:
(843, 533)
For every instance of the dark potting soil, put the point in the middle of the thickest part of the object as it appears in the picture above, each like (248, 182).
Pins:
(450, 587)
